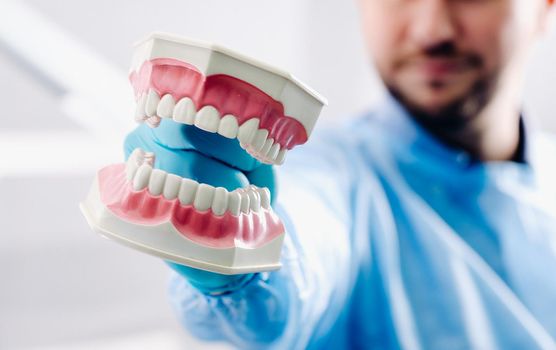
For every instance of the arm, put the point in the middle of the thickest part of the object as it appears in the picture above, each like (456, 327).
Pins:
(287, 308)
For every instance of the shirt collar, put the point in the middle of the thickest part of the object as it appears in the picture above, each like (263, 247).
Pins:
(410, 133)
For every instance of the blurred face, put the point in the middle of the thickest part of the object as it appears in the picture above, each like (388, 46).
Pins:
(445, 59)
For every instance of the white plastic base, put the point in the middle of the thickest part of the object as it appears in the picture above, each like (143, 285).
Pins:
(165, 241)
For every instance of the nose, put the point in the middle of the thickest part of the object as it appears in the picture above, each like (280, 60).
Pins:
(433, 23)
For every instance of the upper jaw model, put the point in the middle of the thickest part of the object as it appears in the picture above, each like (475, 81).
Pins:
(218, 91)
(269, 111)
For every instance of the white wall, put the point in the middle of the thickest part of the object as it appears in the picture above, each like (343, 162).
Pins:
(317, 40)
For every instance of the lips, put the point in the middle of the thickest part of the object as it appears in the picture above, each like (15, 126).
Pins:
(441, 68)
(436, 67)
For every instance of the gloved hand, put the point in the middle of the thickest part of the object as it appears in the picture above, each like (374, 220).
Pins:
(190, 152)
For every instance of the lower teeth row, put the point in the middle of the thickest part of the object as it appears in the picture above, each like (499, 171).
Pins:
(202, 196)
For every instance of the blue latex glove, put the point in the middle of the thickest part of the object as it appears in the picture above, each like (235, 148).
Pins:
(190, 152)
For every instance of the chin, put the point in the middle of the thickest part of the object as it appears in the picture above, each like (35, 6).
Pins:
(440, 109)
(429, 102)
(432, 107)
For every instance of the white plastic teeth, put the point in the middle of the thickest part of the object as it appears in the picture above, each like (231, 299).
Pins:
(152, 108)
(140, 172)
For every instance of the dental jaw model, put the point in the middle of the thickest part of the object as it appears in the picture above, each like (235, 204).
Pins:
(179, 219)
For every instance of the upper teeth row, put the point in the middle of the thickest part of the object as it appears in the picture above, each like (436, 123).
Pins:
(140, 172)
(151, 108)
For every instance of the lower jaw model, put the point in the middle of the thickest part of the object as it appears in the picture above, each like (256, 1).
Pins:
(179, 219)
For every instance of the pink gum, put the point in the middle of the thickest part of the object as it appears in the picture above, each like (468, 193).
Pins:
(140, 207)
(226, 93)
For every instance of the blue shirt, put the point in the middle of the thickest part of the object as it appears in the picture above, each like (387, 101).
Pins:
(395, 240)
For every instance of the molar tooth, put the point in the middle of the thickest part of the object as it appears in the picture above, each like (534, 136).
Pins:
(244, 201)
(266, 147)
(166, 106)
(184, 112)
(234, 203)
(131, 169)
(156, 182)
(153, 121)
(264, 193)
(140, 108)
(220, 201)
(273, 152)
(281, 156)
(247, 130)
(152, 103)
(148, 158)
(187, 191)
(137, 155)
(228, 126)
(133, 163)
(208, 119)
(172, 186)
(141, 179)
(254, 199)
(204, 196)
(259, 140)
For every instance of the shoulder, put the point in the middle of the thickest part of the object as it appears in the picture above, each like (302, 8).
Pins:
(541, 147)
(336, 152)
(541, 153)
(543, 141)
(348, 133)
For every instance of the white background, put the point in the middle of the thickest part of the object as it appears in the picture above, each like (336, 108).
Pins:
(65, 108)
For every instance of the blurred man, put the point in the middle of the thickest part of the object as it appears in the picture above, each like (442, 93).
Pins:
(429, 223)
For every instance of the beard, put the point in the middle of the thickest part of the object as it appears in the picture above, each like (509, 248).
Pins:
(454, 116)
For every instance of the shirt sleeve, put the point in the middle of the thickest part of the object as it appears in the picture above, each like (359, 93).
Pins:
(297, 305)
